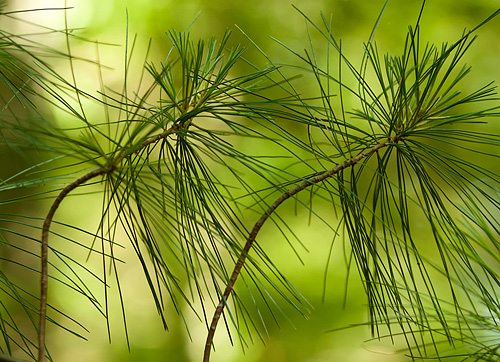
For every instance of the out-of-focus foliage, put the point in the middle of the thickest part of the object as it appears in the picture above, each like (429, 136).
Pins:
(191, 146)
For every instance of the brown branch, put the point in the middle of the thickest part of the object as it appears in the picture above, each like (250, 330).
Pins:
(258, 225)
(126, 151)
(44, 255)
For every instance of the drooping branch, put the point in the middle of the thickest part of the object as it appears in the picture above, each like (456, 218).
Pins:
(258, 226)
(127, 151)
(44, 254)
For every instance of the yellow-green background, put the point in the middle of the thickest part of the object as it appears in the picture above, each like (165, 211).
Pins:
(306, 340)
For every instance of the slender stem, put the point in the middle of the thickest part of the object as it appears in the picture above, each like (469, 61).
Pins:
(44, 255)
(126, 151)
(258, 225)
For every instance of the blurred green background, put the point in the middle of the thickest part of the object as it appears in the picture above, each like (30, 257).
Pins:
(302, 339)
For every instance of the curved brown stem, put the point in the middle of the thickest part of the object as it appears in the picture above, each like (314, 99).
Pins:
(48, 220)
(44, 255)
(258, 225)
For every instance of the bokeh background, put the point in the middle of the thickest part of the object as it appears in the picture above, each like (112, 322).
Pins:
(115, 23)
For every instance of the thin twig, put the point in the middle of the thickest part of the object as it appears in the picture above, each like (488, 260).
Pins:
(44, 255)
(126, 151)
(258, 225)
